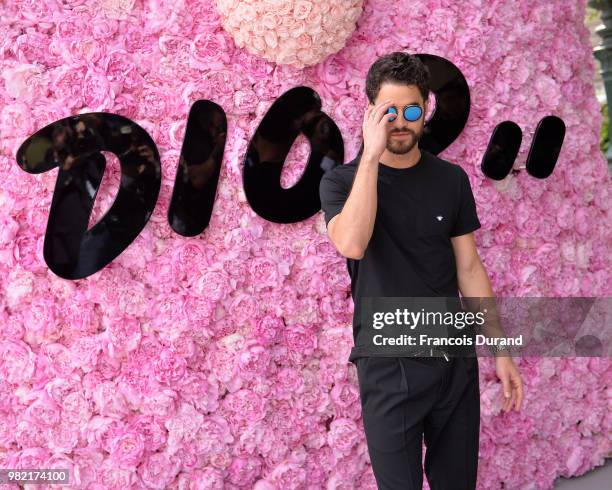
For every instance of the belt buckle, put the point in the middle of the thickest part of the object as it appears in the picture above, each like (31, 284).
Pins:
(442, 351)
(417, 353)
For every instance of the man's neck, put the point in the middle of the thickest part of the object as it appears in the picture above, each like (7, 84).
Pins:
(406, 160)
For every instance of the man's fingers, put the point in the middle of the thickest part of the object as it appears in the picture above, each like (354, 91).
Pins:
(374, 113)
(381, 109)
(505, 405)
(385, 119)
(519, 392)
(374, 110)
(506, 391)
(506, 385)
(508, 403)
(369, 114)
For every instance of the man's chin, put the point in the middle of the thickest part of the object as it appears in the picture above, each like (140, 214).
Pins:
(399, 150)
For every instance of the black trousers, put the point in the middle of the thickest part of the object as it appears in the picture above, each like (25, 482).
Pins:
(404, 399)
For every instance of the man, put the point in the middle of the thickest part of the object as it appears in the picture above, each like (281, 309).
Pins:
(404, 219)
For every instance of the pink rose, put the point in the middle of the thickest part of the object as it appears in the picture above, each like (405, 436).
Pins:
(41, 321)
(209, 50)
(157, 471)
(173, 307)
(184, 345)
(61, 461)
(85, 352)
(103, 28)
(59, 388)
(96, 90)
(19, 287)
(182, 426)
(55, 360)
(159, 402)
(200, 310)
(288, 383)
(108, 367)
(213, 436)
(17, 362)
(287, 474)
(245, 406)
(344, 394)
(23, 81)
(78, 319)
(268, 329)
(197, 388)
(127, 449)
(44, 411)
(186, 254)
(109, 401)
(245, 102)
(13, 120)
(29, 458)
(63, 437)
(254, 360)
(300, 338)
(75, 408)
(547, 89)
(243, 308)
(123, 334)
(213, 283)
(169, 367)
(151, 429)
(202, 479)
(115, 478)
(264, 273)
(244, 470)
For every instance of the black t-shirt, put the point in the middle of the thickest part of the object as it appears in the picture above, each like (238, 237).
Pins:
(410, 253)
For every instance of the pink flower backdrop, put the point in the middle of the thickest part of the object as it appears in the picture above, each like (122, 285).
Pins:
(220, 361)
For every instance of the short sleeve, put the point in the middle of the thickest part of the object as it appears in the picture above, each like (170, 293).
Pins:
(467, 217)
(333, 192)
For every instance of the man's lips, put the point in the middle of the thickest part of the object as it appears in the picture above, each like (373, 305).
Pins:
(400, 134)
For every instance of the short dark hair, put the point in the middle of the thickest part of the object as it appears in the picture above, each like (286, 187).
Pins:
(397, 67)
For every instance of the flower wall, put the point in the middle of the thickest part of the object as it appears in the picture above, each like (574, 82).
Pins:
(220, 361)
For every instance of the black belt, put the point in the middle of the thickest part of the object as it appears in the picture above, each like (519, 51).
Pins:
(431, 350)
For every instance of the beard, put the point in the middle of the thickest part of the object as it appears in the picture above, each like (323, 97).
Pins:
(400, 146)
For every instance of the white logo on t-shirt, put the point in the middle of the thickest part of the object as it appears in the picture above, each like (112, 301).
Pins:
(439, 218)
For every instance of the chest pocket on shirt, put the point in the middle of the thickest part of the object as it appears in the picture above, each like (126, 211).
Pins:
(432, 222)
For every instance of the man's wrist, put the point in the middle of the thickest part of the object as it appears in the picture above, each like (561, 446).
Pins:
(369, 158)
(499, 350)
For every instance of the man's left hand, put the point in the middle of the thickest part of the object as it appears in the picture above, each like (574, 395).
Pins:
(511, 380)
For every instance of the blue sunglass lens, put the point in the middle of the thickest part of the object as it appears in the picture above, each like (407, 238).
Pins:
(391, 110)
(412, 113)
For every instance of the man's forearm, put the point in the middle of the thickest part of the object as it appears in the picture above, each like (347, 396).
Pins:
(355, 223)
(478, 296)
